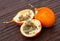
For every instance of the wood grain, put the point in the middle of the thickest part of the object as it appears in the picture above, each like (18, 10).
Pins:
(10, 32)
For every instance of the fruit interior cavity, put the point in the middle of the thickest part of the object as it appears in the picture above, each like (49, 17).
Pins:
(25, 17)
(29, 28)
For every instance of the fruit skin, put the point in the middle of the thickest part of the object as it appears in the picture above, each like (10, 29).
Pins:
(46, 16)
(36, 34)
(18, 23)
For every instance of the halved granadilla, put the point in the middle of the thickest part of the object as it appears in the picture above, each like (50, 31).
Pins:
(31, 28)
(22, 16)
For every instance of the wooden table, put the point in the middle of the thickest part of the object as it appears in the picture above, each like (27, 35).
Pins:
(11, 32)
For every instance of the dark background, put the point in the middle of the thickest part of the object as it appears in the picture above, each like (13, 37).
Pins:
(10, 32)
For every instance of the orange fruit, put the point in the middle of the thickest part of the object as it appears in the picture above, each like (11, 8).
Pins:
(31, 28)
(46, 16)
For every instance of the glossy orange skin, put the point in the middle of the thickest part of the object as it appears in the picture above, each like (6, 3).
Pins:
(46, 16)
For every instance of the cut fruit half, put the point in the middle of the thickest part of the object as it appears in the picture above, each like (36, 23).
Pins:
(23, 16)
(31, 28)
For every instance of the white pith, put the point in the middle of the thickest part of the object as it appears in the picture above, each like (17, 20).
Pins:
(23, 12)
